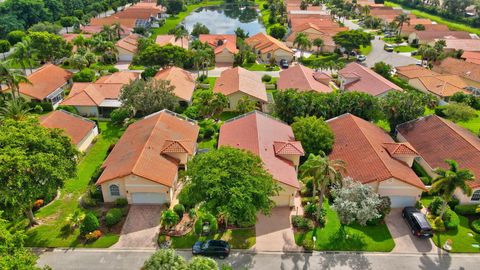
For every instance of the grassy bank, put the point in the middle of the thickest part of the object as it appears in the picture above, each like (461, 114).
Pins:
(451, 24)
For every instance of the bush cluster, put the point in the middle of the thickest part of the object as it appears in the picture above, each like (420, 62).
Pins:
(121, 202)
(435, 206)
(476, 225)
(179, 209)
(465, 210)
(89, 224)
(204, 218)
(302, 223)
(113, 216)
(450, 219)
(92, 236)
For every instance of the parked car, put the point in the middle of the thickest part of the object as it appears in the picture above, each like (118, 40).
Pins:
(361, 58)
(211, 248)
(388, 47)
(283, 63)
(388, 34)
(418, 222)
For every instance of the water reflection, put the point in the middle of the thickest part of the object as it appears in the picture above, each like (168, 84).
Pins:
(226, 18)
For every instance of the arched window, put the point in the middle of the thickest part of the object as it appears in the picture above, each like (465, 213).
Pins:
(476, 196)
(269, 55)
(114, 190)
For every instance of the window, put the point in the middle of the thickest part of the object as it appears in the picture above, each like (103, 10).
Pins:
(114, 190)
(476, 196)
(269, 55)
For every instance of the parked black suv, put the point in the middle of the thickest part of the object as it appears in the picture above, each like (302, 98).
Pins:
(212, 248)
(418, 222)
(284, 63)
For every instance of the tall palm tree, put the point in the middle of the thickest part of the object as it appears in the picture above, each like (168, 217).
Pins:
(448, 181)
(401, 20)
(323, 172)
(16, 109)
(108, 32)
(428, 53)
(302, 42)
(180, 33)
(118, 30)
(12, 78)
(318, 42)
(22, 53)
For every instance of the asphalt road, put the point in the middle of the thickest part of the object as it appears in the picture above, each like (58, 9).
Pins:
(379, 54)
(91, 259)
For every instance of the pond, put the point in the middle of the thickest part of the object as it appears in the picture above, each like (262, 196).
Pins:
(225, 19)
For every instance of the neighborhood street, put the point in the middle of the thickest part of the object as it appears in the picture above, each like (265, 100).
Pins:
(378, 54)
(92, 259)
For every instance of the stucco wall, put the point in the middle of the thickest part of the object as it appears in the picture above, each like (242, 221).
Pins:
(85, 143)
(235, 97)
(87, 110)
(464, 199)
(394, 187)
(224, 57)
(285, 196)
(124, 55)
(279, 55)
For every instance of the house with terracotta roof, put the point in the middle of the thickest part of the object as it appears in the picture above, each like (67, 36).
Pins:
(304, 79)
(163, 40)
(469, 71)
(143, 166)
(436, 140)
(236, 83)
(271, 140)
(466, 45)
(373, 158)
(47, 84)
(355, 77)
(441, 86)
(408, 29)
(266, 47)
(181, 79)
(80, 130)
(100, 98)
(127, 47)
(324, 30)
(472, 57)
(409, 72)
(429, 37)
(224, 46)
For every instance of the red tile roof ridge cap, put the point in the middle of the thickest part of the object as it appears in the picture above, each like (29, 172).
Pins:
(286, 143)
(171, 142)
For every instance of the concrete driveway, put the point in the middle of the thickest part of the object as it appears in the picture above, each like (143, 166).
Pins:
(141, 227)
(379, 54)
(405, 242)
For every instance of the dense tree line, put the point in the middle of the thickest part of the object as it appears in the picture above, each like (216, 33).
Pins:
(22, 14)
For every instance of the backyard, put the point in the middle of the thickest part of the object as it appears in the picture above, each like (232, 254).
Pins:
(349, 237)
(51, 232)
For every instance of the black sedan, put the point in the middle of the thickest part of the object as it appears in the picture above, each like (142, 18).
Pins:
(212, 248)
(418, 222)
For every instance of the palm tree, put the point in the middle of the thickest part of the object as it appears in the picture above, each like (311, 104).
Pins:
(428, 53)
(23, 53)
(319, 43)
(118, 30)
(302, 42)
(16, 109)
(323, 172)
(75, 218)
(108, 32)
(448, 181)
(401, 20)
(12, 78)
(180, 33)
(365, 10)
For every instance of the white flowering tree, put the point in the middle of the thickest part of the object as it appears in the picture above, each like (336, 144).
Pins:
(355, 202)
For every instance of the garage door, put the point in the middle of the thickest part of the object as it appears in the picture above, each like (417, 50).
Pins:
(402, 201)
(283, 200)
(148, 198)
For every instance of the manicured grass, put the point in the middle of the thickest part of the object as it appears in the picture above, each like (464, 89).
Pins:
(426, 200)
(352, 238)
(404, 49)
(172, 22)
(133, 67)
(210, 144)
(260, 67)
(365, 50)
(211, 81)
(383, 124)
(473, 125)
(462, 241)
(264, 13)
(451, 24)
(238, 238)
(224, 116)
(52, 232)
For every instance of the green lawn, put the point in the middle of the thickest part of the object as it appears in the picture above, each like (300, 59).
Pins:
(238, 238)
(265, 13)
(51, 233)
(353, 238)
(172, 22)
(473, 125)
(451, 24)
(210, 144)
(365, 50)
(211, 81)
(404, 49)
(462, 241)
(259, 67)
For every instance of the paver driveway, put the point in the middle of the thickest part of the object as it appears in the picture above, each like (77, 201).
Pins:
(141, 227)
(405, 242)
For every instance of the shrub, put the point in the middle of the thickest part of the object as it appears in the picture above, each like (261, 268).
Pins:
(435, 206)
(467, 209)
(440, 111)
(385, 206)
(192, 213)
(92, 236)
(202, 78)
(453, 203)
(85, 75)
(121, 202)
(438, 224)
(202, 220)
(306, 200)
(198, 226)
(89, 224)
(38, 109)
(476, 225)
(113, 216)
(310, 210)
(96, 193)
(119, 115)
(179, 209)
(87, 201)
(169, 219)
(308, 244)
(112, 70)
(450, 219)
(459, 112)
(266, 78)
(266, 5)
(419, 205)
(149, 72)
(302, 223)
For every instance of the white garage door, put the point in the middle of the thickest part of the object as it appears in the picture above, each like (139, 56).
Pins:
(148, 198)
(402, 201)
(282, 200)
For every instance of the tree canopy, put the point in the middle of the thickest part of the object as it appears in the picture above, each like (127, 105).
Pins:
(231, 183)
(314, 134)
(155, 55)
(352, 39)
(34, 161)
(402, 106)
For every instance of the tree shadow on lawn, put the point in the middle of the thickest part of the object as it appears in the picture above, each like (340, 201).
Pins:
(344, 240)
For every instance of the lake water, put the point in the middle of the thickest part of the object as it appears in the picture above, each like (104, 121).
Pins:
(226, 18)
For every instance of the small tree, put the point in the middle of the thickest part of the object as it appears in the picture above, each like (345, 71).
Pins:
(4, 47)
(165, 259)
(314, 134)
(400, 107)
(169, 219)
(68, 21)
(352, 40)
(355, 202)
(318, 42)
(85, 75)
(174, 6)
(199, 29)
(89, 224)
(241, 34)
(15, 36)
(278, 31)
(202, 263)
(383, 69)
(459, 112)
(246, 104)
